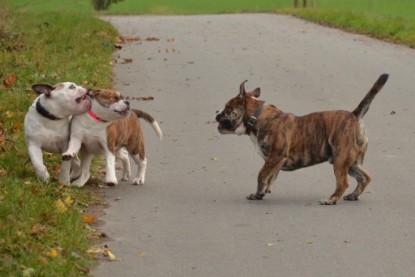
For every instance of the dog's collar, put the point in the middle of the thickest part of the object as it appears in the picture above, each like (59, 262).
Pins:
(253, 119)
(45, 113)
(95, 117)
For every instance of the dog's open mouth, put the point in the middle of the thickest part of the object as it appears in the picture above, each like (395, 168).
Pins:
(123, 112)
(80, 99)
(225, 125)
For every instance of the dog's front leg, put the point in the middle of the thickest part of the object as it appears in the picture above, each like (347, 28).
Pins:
(110, 177)
(266, 176)
(36, 156)
(73, 148)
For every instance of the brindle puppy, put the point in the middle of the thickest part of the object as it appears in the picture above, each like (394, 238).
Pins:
(288, 142)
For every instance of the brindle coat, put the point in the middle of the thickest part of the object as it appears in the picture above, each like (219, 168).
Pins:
(288, 142)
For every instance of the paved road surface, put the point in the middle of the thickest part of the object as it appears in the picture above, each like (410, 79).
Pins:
(191, 217)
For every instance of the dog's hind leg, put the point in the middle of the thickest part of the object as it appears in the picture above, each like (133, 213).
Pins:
(65, 172)
(341, 169)
(362, 178)
(122, 155)
(86, 159)
(75, 168)
(271, 180)
(141, 163)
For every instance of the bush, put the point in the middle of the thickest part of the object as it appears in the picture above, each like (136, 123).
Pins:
(101, 5)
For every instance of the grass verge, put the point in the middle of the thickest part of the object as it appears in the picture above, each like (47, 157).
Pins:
(42, 229)
(392, 29)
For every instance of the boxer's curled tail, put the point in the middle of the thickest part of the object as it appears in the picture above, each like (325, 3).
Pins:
(363, 107)
(150, 120)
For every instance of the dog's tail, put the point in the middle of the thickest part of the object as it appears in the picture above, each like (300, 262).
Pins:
(150, 120)
(363, 107)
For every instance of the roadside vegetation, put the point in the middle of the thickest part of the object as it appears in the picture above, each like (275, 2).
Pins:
(43, 227)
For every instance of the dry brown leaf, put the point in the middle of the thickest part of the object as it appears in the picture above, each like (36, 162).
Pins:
(126, 60)
(125, 39)
(37, 229)
(9, 80)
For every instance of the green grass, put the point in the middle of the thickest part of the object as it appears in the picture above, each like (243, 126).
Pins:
(41, 227)
(391, 20)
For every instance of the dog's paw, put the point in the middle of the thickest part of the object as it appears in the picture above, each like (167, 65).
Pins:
(81, 181)
(351, 197)
(327, 202)
(126, 176)
(138, 182)
(67, 156)
(43, 176)
(111, 184)
(256, 196)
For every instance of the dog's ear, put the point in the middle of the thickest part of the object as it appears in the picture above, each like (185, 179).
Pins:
(242, 91)
(256, 93)
(42, 89)
(90, 92)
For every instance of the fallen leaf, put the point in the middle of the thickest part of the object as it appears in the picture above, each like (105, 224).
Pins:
(37, 229)
(126, 60)
(141, 254)
(125, 39)
(9, 114)
(9, 80)
(107, 253)
(214, 158)
(152, 39)
(88, 219)
(52, 253)
(60, 206)
(309, 241)
(68, 200)
(17, 125)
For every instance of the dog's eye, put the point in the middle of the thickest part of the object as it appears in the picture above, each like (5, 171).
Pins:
(72, 86)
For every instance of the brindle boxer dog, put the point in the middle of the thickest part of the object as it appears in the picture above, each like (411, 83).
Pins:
(288, 142)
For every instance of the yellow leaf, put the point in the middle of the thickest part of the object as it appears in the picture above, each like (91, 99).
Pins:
(60, 206)
(68, 200)
(52, 253)
(141, 254)
(9, 114)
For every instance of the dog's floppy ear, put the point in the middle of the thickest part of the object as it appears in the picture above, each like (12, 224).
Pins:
(42, 89)
(242, 91)
(90, 92)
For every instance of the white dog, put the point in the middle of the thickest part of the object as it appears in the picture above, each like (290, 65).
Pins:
(46, 125)
(108, 128)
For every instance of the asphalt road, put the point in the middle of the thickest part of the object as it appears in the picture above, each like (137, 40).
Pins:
(191, 218)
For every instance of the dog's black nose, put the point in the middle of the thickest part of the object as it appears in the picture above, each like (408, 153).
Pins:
(127, 103)
(218, 117)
